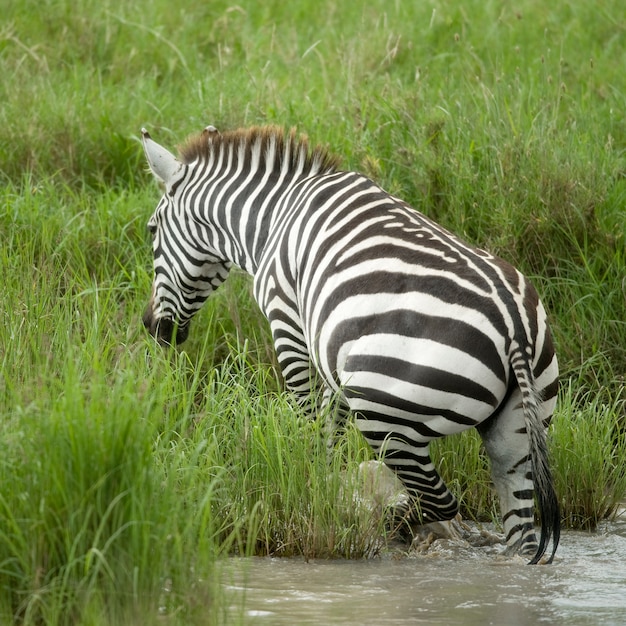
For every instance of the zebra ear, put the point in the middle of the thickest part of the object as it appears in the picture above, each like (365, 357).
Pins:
(163, 164)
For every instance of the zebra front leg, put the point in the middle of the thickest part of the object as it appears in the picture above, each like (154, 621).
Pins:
(313, 397)
(298, 373)
(330, 409)
(334, 411)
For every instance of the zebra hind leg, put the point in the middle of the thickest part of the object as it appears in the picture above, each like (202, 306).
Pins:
(429, 500)
(507, 444)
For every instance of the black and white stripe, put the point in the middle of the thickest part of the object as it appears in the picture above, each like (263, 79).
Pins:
(418, 333)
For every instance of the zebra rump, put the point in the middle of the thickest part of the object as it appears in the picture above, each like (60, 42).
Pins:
(417, 333)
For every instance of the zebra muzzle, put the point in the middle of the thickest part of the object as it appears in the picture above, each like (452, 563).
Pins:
(164, 329)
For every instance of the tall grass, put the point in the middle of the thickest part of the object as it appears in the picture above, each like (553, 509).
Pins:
(591, 477)
(127, 470)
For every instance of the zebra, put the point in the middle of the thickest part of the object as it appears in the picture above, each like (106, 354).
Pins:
(419, 334)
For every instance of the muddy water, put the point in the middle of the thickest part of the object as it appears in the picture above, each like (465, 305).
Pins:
(451, 582)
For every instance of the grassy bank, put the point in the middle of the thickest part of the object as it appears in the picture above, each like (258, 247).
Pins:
(125, 470)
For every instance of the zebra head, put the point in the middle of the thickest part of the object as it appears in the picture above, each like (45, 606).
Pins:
(187, 269)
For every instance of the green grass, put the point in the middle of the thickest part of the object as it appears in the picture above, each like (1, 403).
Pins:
(128, 471)
(589, 450)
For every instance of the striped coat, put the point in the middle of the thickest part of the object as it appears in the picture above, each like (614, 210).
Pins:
(419, 334)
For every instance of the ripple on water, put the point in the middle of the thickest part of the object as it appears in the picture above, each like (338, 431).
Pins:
(447, 584)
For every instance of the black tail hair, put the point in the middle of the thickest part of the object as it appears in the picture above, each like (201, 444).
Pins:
(547, 500)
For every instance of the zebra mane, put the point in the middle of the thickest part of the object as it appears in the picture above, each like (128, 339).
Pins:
(260, 144)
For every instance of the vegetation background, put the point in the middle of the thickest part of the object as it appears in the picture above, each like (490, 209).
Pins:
(126, 471)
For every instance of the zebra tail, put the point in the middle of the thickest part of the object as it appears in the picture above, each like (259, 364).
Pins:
(547, 500)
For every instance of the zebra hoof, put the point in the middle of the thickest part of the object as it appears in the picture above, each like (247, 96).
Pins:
(526, 547)
(418, 535)
(450, 529)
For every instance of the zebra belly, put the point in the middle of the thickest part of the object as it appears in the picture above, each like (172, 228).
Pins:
(411, 357)
(427, 389)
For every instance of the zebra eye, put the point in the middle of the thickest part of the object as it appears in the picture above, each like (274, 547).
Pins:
(152, 227)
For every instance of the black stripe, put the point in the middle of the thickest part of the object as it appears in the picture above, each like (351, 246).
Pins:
(444, 330)
(429, 377)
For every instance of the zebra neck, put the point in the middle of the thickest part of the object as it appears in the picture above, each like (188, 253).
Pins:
(243, 195)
